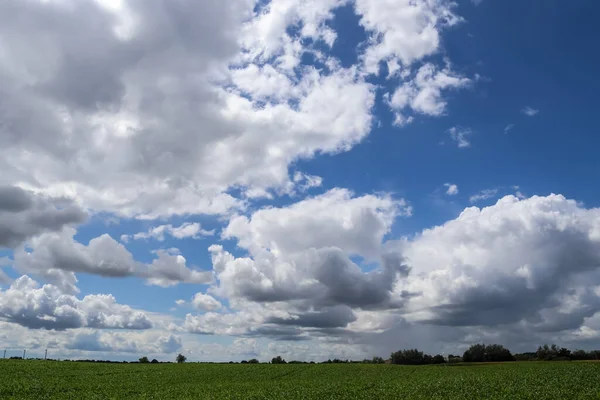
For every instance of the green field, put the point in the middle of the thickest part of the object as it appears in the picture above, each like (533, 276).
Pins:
(70, 380)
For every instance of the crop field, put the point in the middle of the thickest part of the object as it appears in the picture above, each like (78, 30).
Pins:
(69, 380)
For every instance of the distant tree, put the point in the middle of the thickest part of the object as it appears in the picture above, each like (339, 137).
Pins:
(180, 358)
(408, 357)
(564, 353)
(492, 353)
(144, 360)
(498, 353)
(439, 359)
(531, 356)
(553, 352)
(278, 360)
(378, 360)
(154, 361)
(476, 353)
(244, 362)
(454, 359)
(253, 361)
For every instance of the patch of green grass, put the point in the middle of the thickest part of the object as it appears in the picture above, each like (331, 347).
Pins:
(70, 380)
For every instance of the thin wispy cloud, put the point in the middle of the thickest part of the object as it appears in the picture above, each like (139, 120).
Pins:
(483, 195)
(508, 128)
(460, 135)
(530, 112)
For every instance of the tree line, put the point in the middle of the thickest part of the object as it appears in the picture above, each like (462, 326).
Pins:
(476, 353)
(493, 353)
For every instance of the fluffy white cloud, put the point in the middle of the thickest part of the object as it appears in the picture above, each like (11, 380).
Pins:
(47, 307)
(532, 262)
(451, 189)
(403, 30)
(205, 302)
(334, 219)
(238, 108)
(95, 124)
(423, 93)
(57, 256)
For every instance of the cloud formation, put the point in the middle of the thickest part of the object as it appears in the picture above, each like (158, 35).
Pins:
(58, 256)
(451, 189)
(191, 230)
(24, 215)
(47, 307)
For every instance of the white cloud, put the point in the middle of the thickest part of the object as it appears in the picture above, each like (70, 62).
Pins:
(119, 342)
(57, 256)
(93, 126)
(403, 31)
(451, 189)
(186, 230)
(483, 195)
(508, 128)
(205, 302)
(47, 307)
(423, 93)
(530, 112)
(335, 218)
(460, 136)
(532, 263)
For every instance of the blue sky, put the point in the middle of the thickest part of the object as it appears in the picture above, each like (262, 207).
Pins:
(333, 154)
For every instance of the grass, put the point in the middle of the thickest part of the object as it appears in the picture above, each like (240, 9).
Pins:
(69, 380)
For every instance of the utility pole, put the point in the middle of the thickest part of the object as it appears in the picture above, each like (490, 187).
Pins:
(24, 354)
(46, 354)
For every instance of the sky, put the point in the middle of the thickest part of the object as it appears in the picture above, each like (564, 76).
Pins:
(307, 178)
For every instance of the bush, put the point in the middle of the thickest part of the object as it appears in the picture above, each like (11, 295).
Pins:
(180, 358)
(144, 360)
(253, 361)
(154, 361)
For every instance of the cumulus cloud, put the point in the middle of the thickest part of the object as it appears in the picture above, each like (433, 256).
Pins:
(403, 31)
(530, 112)
(149, 75)
(92, 126)
(451, 189)
(24, 215)
(205, 302)
(333, 219)
(423, 93)
(518, 261)
(298, 274)
(47, 307)
(57, 256)
(191, 230)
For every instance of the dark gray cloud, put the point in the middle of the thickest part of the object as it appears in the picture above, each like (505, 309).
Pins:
(24, 215)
